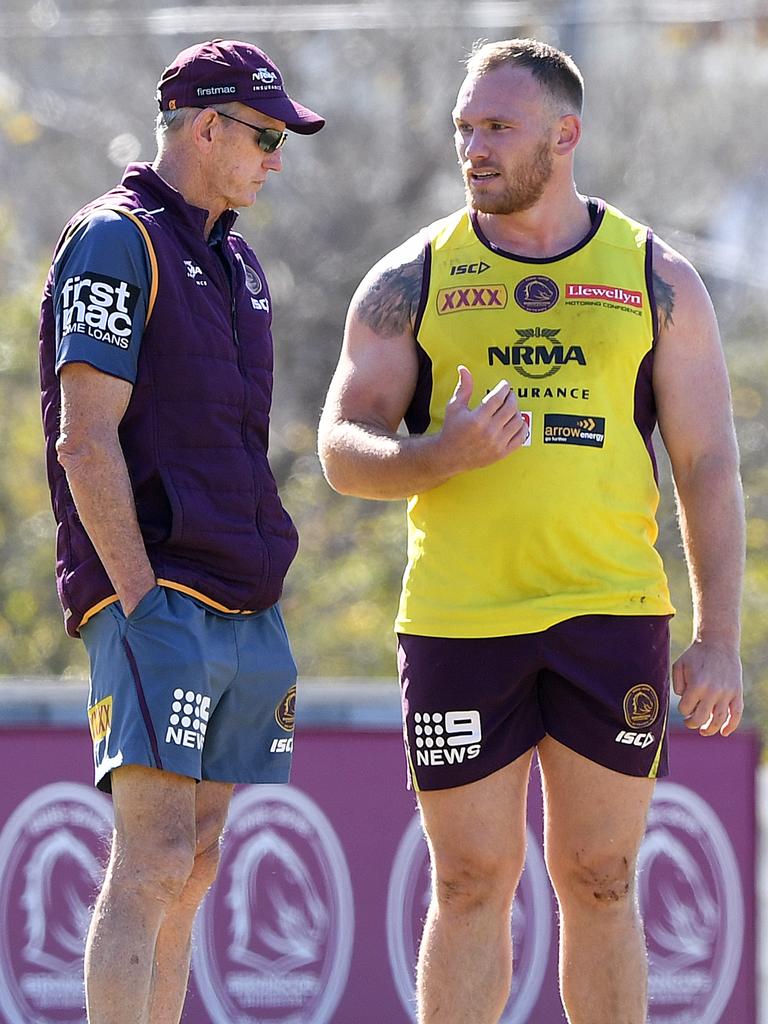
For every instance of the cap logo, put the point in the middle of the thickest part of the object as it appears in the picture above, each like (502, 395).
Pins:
(216, 90)
(171, 104)
(265, 76)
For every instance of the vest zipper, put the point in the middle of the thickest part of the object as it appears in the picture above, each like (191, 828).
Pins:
(243, 432)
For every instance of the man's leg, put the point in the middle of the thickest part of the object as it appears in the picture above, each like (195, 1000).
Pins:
(594, 825)
(174, 945)
(476, 836)
(152, 858)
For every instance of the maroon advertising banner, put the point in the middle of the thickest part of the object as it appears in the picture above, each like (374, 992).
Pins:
(318, 908)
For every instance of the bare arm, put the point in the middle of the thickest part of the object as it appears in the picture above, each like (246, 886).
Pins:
(360, 448)
(696, 422)
(88, 448)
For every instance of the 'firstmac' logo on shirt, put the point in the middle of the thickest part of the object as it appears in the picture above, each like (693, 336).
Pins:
(101, 307)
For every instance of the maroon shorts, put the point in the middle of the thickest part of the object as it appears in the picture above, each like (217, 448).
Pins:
(599, 684)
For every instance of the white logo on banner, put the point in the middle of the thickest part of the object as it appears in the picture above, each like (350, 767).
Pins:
(51, 852)
(692, 901)
(531, 925)
(274, 935)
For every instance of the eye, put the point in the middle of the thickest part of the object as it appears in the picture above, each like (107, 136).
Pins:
(463, 128)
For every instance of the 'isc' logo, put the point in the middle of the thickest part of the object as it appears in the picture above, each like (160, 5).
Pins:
(635, 739)
(470, 268)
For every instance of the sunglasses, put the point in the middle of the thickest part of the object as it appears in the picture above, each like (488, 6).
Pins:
(268, 139)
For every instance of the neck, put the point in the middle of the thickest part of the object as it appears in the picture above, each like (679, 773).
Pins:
(554, 224)
(185, 177)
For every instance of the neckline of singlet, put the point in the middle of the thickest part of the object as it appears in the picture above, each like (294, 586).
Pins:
(596, 210)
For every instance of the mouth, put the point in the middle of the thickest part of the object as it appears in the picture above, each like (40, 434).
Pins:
(481, 176)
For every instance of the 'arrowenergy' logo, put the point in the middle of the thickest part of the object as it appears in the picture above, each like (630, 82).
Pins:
(588, 431)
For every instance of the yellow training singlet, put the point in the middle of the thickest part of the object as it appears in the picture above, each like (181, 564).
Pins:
(565, 525)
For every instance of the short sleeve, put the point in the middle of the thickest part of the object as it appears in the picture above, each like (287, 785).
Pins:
(102, 282)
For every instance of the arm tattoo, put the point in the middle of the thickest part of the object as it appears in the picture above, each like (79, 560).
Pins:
(390, 302)
(665, 301)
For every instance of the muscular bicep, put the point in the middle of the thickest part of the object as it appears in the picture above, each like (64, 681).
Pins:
(377, 372)
(690, 378)
(92, 405)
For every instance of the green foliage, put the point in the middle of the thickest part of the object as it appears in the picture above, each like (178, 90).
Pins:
(341, 594)
(32, 637)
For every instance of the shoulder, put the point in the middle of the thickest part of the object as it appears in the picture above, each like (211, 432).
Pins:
(388, 296)
(678, 290)
(102, 231)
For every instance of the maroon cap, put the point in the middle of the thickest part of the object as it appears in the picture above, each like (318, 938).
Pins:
(226, 71)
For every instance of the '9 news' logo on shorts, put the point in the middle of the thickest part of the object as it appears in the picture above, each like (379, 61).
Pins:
(188, 720)
(446, 739)
(101, 307)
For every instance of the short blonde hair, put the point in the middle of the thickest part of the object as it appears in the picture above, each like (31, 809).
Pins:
(554, 70)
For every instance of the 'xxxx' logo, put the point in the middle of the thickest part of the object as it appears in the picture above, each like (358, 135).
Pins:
(586, 424)
(454, 300)
(100, 719)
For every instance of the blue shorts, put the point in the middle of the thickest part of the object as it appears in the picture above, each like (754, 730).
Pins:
(183, 688)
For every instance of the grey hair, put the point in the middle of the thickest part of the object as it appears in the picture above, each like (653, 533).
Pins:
(170, 121)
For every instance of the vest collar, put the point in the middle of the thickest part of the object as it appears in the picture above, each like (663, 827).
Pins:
(142, 177)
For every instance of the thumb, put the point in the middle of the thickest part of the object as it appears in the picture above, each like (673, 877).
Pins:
(464, 386)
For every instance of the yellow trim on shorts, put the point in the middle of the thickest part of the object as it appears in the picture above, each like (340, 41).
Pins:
(172, 586)
(202, 597)
(97, 608)
(411, 769)
(655, 766)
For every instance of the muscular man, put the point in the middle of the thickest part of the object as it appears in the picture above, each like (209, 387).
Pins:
(531, 342)
(172, 543)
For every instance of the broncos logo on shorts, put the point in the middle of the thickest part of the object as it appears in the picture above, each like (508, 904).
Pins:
(285, 712)
(641, 706)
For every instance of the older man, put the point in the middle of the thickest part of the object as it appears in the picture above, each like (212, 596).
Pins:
(172, 543)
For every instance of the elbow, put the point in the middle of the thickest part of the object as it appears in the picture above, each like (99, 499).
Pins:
(73, 453)
(333, 469)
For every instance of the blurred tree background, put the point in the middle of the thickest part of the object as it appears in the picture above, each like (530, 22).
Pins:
(676, 91)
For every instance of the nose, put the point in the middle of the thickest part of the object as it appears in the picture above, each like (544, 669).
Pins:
(274, 161)
(475, 145)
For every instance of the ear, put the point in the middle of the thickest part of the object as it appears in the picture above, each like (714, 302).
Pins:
(569, 133)
(205, 125)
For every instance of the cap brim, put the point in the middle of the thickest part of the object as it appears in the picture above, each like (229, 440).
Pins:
(297, 118)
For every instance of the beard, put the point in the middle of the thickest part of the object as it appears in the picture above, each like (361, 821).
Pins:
(522, 188)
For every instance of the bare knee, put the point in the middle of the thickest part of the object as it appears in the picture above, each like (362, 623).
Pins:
(596, 879)
(468, 879)
(154, 867)
(204, 869)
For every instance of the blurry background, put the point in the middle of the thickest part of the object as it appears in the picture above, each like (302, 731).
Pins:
(674, 135)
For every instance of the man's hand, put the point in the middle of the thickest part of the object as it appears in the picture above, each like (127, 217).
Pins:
(707, 678)
(472, 438)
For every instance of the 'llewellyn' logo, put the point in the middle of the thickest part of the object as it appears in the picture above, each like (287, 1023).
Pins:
(408, 897)
(604, 293)
(52, 849)
(274, 936)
